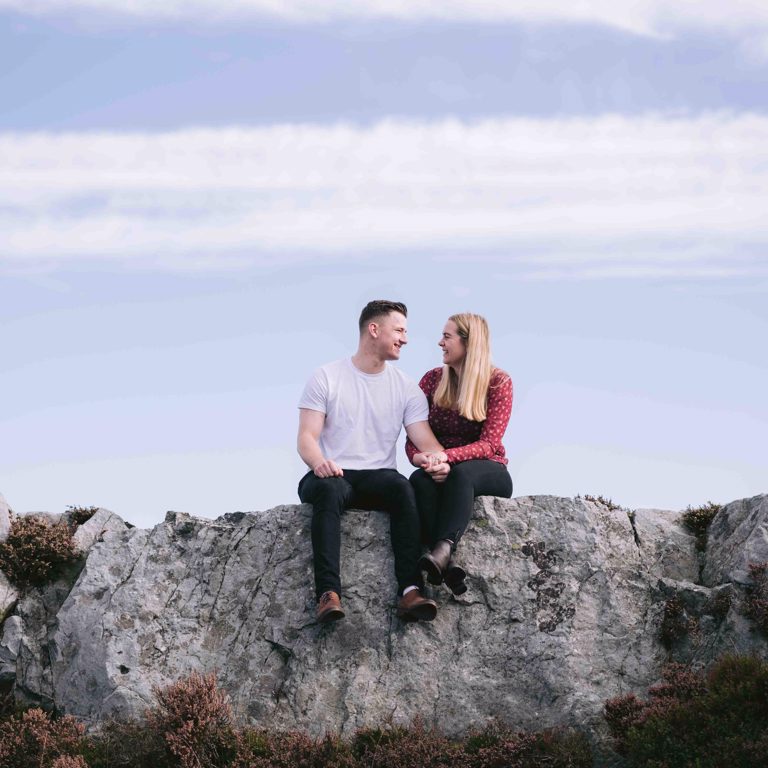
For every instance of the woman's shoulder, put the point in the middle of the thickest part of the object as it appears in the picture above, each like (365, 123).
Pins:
(434, 374)
(499, 378)
(431, 378)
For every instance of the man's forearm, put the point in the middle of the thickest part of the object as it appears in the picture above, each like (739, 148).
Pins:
(422, 436)
(309, 450)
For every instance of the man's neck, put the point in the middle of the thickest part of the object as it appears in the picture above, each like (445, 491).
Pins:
(367, 361)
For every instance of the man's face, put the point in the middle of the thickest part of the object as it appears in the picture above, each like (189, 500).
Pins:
(391, 335)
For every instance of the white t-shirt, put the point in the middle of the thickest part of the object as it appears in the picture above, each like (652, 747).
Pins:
(364, 412)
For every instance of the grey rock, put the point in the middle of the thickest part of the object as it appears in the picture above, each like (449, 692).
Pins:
(8, 593)
(565, 602)
(8, 597)
(5, 518)
(668, 548)
(9, 648)
(26, 641)
(95, 528)
(738, 536)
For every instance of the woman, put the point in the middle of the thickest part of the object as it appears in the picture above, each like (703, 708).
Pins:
(469, 406)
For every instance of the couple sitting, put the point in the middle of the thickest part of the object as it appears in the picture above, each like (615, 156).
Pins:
(351, 413)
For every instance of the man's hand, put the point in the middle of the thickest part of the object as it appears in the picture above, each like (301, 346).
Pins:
(421, 435)
(328, 468)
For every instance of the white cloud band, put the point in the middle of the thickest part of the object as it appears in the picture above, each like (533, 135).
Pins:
(639, 16)
(607, 193)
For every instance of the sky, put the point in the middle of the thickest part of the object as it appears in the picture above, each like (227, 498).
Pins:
(197, 199)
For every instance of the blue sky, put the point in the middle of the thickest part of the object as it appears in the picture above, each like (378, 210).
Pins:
(194, 207)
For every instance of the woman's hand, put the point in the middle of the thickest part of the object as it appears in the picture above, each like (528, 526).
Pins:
(434, 464)
(439, 472)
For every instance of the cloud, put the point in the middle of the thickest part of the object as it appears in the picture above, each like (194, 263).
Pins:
(646, 17)
(597, 197)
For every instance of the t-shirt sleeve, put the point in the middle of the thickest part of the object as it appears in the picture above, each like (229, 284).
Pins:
(315, 394)
(416, 406)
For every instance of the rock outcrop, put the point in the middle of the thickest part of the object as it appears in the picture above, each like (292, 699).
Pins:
(5, 518)
(8, 594)
(566, 601)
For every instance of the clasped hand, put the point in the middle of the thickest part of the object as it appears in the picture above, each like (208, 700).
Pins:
(434, 464)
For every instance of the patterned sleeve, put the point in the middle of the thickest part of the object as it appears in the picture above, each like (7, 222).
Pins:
(427, 387)
(497, 418)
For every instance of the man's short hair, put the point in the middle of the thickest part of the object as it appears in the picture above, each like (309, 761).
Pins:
(380, 307)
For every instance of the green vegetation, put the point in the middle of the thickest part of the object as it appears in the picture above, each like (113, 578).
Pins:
(79, 515)
(756, 602)
(36, 550)
(693, 720)
(608, 503)
(689, 720)
(191, 726)
(33, 739)
(676, 623)
(697, 520)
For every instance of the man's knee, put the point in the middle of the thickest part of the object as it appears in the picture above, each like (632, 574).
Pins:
(328, 492)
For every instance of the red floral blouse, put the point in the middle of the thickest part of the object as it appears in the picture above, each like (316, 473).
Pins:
(461, 438)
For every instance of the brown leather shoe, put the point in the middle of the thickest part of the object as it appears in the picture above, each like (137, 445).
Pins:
(329, 608)
(415, 607)
(434, 563)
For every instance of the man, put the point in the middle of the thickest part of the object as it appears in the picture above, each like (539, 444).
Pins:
(350, 416)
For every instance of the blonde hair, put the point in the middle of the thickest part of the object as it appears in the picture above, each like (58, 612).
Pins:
(467, 392)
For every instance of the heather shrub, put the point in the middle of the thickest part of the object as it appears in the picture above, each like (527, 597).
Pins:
(497, 746)
(69, 762)
(79, 515)
(675, 623)
(756, 602)
(259, 748)
(191, 727)
(414, 746)
(695, 720)
(120, 744)
(608, 503)
(194, 719)
(697, 520)
(33, 739)
(719, 605)
(36, 550)
(7, 702)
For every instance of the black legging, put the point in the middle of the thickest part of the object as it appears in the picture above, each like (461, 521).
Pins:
(445, 508)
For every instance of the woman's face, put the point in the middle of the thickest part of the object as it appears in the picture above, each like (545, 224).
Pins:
(453, 346)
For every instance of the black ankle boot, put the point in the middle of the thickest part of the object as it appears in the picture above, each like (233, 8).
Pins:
(455, 576)
(435, 562)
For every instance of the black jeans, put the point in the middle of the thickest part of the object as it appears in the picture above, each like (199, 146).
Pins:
(384, 489)
(446, 508)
